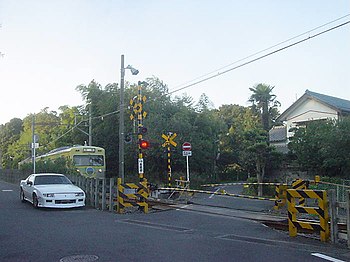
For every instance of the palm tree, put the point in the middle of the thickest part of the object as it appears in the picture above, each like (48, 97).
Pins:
(264, 101)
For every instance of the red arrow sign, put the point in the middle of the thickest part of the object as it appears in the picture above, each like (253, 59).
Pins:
(186, 146)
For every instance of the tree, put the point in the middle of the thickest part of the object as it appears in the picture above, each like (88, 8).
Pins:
(322, 147)
(265, 103)
(257, 153)
(237, 120)
(9, 133)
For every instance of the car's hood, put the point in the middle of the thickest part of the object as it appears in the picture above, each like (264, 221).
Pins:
(57, 188)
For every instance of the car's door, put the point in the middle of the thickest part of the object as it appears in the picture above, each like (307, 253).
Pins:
(28, 187)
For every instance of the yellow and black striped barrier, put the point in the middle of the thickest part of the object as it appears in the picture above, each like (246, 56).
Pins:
(281, 196)
(221, 192)
(138, 197)
(300, 184)
(321, 211)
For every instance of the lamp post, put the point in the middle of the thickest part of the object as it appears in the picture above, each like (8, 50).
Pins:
(121, 115)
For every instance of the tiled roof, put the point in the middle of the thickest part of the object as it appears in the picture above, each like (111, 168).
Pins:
(278, 133)
(338, 103)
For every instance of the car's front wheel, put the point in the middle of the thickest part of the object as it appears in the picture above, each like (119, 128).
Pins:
(21, 195)
(35, 201)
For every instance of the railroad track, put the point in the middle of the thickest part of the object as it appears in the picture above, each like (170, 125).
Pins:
(277, 222)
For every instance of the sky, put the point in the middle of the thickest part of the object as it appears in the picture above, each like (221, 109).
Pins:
(48, 48)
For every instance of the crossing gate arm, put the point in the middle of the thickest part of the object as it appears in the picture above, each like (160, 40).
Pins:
(244, 183)
(215, 193)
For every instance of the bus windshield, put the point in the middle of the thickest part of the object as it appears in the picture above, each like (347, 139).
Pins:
(84, 160)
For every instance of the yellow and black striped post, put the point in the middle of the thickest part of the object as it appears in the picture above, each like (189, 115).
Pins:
(139, 114)
(280, 195)
(169, 165)
(321, 211)
(169, 141)
(137, 198)
(139, 133)
(300, 184)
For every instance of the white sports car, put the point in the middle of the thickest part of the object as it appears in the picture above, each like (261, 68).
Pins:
(51, 190)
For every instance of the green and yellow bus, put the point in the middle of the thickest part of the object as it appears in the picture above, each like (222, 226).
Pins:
(89, 161)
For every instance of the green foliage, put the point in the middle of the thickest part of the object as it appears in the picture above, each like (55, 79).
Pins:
(227, 142)
(252, 190)
(9, 134)
(59, 165)
(265, 103)
(323, 147)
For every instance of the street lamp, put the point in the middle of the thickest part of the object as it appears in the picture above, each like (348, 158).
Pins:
(121, 115)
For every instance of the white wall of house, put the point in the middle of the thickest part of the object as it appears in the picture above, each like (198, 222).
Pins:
(309, 110)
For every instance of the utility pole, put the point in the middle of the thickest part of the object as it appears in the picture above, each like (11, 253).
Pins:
(121, 116)
(90, 125)
(121, 120)
(33, 143)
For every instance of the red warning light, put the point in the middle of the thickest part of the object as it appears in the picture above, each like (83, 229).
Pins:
(144, 144)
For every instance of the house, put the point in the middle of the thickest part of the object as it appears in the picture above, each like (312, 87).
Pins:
(309, 107)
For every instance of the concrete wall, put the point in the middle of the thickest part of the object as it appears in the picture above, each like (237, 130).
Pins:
(287, 174)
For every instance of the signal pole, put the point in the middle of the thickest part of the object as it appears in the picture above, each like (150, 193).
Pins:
(138, 112)
(33, 143)
(169, 141)
(121, 120)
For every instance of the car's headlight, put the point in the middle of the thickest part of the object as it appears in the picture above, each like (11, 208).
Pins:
(49, 195)
(79, 194)
(100, 170)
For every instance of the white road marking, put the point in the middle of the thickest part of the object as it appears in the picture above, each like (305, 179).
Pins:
(182, 207)
(7, 190)
(211, 196)
(327, 257)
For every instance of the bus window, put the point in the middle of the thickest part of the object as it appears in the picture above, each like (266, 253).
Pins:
(83, 160)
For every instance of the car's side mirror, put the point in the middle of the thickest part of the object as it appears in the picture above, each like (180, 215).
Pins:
(30, 183)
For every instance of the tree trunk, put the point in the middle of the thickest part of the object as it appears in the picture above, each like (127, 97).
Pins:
(260, 167)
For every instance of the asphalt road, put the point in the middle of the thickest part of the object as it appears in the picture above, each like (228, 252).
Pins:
(28, 234)
(232, 202)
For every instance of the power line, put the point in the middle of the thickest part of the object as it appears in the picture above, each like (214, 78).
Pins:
(258, 58)
(248, 62)
(264, 50)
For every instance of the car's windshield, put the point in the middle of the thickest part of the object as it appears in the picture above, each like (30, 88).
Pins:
(49, 179)
(81, 160)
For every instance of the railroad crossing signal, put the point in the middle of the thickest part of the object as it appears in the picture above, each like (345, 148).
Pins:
(169, 139)
(144, 144)
(136, 107)
(137, 113)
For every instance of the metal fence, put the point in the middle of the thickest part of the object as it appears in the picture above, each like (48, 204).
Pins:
(12, 176)
(340, 189)
(100, 192)
(339, 215)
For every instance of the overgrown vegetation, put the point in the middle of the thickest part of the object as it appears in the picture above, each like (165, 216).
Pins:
(322, 147)
(60, 165)
(229, 143)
